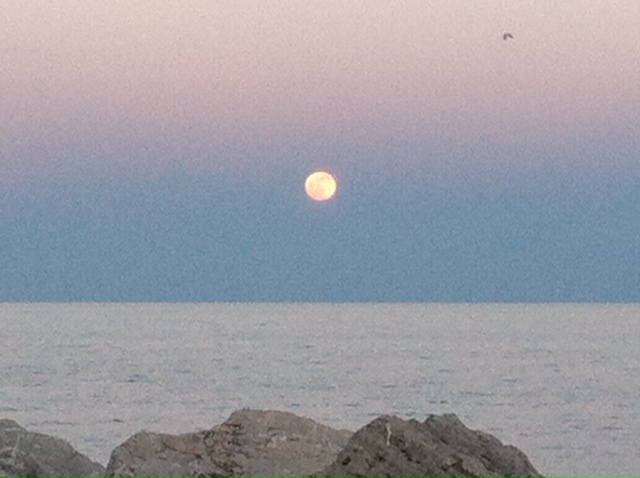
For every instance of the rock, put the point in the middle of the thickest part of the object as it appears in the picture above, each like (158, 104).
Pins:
(25, 453)
(440, 446)
(249, 443)
(272, 443)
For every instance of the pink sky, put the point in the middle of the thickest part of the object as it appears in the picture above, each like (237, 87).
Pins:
(141, 85)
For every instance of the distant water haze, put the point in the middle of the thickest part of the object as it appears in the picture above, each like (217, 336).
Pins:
(558, 381)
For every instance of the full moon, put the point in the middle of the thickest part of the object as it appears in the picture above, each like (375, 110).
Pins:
(320, 186)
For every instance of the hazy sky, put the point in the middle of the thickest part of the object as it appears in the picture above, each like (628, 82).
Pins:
(157, 151)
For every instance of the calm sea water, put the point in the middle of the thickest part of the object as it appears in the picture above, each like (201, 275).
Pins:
(561, 382)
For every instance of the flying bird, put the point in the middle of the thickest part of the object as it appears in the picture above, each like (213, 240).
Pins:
(507, 35)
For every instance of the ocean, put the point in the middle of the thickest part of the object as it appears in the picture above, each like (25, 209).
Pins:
(559, 381)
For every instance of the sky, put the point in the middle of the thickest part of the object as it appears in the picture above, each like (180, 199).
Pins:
(157, 150)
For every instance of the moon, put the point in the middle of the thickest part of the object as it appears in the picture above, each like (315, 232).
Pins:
(321, 186)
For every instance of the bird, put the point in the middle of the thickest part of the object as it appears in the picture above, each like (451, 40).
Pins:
(507, 36)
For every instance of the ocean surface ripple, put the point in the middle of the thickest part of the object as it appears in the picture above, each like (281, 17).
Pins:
(558, 381)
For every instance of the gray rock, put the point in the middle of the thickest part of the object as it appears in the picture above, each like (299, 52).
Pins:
(272, 443)
(249, 443)
(25, 453)
(440, 446)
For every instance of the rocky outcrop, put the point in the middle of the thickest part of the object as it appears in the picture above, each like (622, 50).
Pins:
(440, 446)
(249, 443)
(272, 443)
(25, 453)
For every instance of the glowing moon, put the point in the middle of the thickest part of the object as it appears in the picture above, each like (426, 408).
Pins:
(320, 186)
